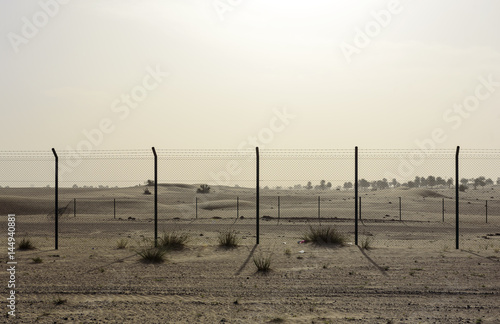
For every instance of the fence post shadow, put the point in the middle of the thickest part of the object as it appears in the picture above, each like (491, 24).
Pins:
(382, 270)
(247, 260)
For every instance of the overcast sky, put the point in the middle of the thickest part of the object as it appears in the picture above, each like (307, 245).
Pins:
(286, 73)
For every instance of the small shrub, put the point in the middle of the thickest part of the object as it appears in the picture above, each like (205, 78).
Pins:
(263, 263)
(366, 243)
(228, 239)
(173, 241)
(147, 192)
(26, 244)
(37, 260)
(288, 252)
(121, 244)
(324, 236)
(204, 189)
(59, 301)
(152, 255)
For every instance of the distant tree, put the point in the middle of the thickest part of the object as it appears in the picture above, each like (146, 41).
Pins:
(203, 189)
(150, 182)
(297, 187)
(279, 187)
(463, 187)
(329, 185)
(395, 183)
(440, 181)
(266, 188)
(481, 181)
(417, 181)
(373, 184)
(464, 181)
(431, 181)
(75, 186)
(489, 182)
(449, 182)
(309, 185)
(347, 185)
(411, 184)
(498, 181)
(423, 182)
(364, 184)
(382, 184)
(322, 185)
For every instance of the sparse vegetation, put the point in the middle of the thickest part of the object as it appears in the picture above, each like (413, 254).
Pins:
(366, 243)
(288, 252)
(262, 262)
(146, 191)
(26, 244)
(152, 255)
(122, 244)
(324, 236)
(37, 260)
(59, 301)
(203, 189)
(228, 239)
(173, 241)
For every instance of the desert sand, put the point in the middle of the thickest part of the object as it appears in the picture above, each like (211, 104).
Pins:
(412, 272)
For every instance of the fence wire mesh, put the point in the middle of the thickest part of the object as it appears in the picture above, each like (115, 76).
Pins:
(406, 198)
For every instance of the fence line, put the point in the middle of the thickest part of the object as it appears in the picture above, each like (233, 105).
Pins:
(260, 196)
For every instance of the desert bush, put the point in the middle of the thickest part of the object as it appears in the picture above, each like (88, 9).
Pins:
(121, 244)
(366, 243)
(152, 255)
(147, 192)
(204, 189)
(228, 239)
(263, 263)
(26, 244)
(59, 301)
(324, 235)
(37, 260)
(173, 241)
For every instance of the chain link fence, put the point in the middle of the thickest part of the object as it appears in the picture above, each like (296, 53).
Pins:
(404, 198)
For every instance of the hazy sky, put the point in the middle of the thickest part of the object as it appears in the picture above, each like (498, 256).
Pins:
(212, 73)
(208, 74)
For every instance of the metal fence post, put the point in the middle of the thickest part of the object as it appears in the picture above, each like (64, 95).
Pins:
(486, 211)
(74, 207)
(399, 208)
(56, 199)
(257, 197)
(319, 210)
(156, 196)
(356, 195)
(457, 211)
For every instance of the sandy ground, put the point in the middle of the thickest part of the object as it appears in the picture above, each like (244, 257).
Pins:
(96, 282)
(412, 274)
